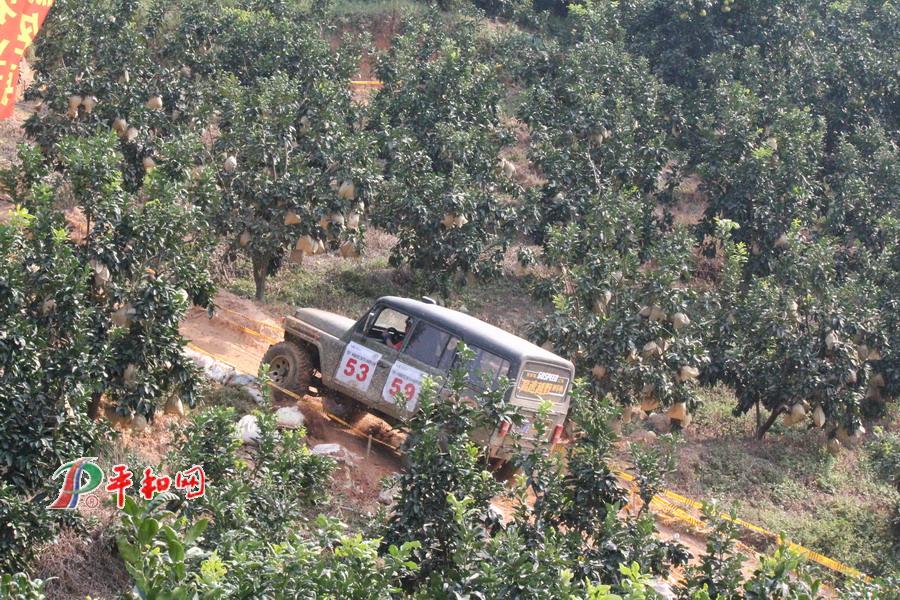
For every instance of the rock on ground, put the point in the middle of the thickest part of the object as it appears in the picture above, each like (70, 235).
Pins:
(659, 423)
(290, 417)
(335, 451)
(248, 429)
(174, 406)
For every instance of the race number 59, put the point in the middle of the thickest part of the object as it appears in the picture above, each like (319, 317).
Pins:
(407, 388)
(403, 381)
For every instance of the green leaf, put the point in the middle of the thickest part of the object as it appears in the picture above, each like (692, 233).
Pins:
(147, 530)
(195, 531)
(127, 551)
(176, 550)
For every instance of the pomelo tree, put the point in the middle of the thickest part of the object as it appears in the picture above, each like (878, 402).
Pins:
(296, 170)
(759, 163)
(805, 342)
(597, 117)
(144, 258)
(449, 197)
(630, 325)
(48, 369)
(861, 183)
(97, 69)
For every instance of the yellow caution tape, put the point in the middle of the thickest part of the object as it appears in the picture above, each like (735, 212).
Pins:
(247, 330)
(255, 334)
(245, 317)
(667, 503)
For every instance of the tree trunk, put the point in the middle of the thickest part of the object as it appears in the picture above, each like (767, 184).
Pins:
(260, 273)
(761, 431)
(758, 417)
(94, 406)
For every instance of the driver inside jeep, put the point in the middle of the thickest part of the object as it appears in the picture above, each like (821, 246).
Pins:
(394, 338)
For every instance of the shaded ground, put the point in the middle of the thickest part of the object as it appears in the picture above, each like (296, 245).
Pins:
(11, 133)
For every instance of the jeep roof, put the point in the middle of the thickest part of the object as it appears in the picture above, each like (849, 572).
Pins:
(474, 331)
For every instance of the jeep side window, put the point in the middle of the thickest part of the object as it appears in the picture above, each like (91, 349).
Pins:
(430, 345)
(486, 368)
(390, 328)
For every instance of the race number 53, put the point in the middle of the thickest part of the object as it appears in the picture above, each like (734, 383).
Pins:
(356, 369)
(357, 366)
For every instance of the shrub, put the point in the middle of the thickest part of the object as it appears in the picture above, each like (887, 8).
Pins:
(265, 490)
(443, 464)
(719, 569)
(26, 527)
(884, 456)
(21, 586)
(168, 555)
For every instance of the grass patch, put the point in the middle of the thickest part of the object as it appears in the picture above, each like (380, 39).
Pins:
(350, 287)
(842, 528)
(372, 8)
(788, 484)
(227, 395)
(347, 287)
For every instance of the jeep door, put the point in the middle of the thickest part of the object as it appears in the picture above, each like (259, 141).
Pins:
(428, 352)
(372, 348)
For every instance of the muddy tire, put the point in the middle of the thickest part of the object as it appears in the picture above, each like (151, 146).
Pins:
(290, 367)
(342, 407)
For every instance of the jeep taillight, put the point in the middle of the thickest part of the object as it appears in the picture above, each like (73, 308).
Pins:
(557, 434)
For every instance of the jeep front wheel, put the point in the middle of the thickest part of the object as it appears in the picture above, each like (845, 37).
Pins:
(290, 368)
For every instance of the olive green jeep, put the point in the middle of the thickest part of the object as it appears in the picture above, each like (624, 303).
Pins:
(377, 364)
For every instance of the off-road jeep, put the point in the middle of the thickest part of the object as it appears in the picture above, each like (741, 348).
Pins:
(387, 353)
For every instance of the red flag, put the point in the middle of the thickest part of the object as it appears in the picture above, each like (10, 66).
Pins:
(20, 21)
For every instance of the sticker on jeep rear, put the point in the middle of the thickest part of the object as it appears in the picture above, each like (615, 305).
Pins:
(542, 385)
(357, 366)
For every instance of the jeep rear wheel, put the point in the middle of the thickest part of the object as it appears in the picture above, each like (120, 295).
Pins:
(290, 368)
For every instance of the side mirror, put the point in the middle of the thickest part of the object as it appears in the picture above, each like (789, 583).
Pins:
(369, 321)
